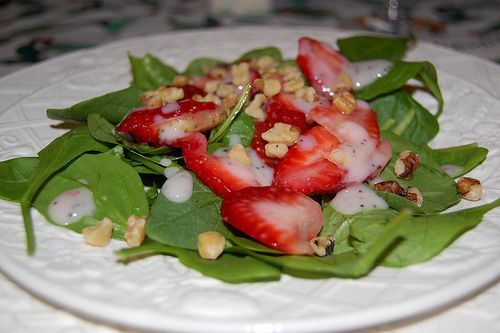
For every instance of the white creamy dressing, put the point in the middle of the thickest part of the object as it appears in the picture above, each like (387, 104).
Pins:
(357, 198)
(172, 131)
(365, 72)
(257, 171)
(72, 205)
(170, 171)
(361, 158)
(165, 161)
(306, 142)
(170, 107)
(179, 187)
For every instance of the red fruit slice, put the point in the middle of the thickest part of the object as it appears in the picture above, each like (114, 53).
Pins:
(305, 168)
(331, 118)
(280, 109)
(164, 125)
(219, 173)
(282, 219)
(320, 63)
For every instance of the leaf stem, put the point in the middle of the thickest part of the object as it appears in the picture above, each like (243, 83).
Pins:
(221, 130)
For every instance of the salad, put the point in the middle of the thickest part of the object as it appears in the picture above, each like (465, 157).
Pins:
(315, 167)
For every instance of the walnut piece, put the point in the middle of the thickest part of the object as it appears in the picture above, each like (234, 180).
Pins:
(136, 230)
(99, 234)
(344, 82)
(282, 133)
(413, 194)
(344, 101)
(322, 246)
(271, 87)
(239, 153)
(406, 164)
(240, 73)
(229, 101)
(218, 73)
(211, 86)
(276, 150)
(337, 156)
(161, 96)
(254, 109)
(389, 186)
(470, 188)
(265, 63)
(308, 94)
(225, 89)
(210, 245)
(180, 81)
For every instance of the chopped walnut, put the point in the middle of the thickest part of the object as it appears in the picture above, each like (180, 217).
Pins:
(389, 186)
(229, 101)
(239, 153)
(99, 234)
(322, 246)
(218, 73)
(254, 109)
(208, 98)
(136, 231)
(282, 133)
(211, 86)
(276, 150)
(180, 81)
(337, 156)
(265, 63)
(308, 94)
(211, 245)
(225, 89)
(344, 82)
(344, 101)
(470, 188)
(292, 78)
(240, 73)
(413, 194)
(271, 87)
(406, 164)
(161, 96)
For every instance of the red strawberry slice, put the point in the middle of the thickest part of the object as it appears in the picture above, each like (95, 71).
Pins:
(282, 219)
(280, 109)
(219, 173)
(164, 125)
(305, 168)
(330, 118)
(321, 64)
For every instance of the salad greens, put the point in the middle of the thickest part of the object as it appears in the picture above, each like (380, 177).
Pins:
(124, 177)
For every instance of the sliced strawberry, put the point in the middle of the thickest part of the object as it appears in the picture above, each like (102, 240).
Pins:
(219, 173)
(164, 125)
(305, 167)
(282, 219)
(321, 64)
(330, 118)
(360, 154)
(281, 108)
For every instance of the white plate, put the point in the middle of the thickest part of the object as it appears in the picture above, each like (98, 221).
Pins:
(160, 294)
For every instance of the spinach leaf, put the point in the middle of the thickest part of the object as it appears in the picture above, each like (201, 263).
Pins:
(346, 264)
(52, 158)
(101, 129)
(200, 66)
(243, 127)
(406, 117)
(230, 268)
(179, 224)
(218, 133)
(271, 51)
(359, 48)
(15, 177)
(461, 158)
(398, 75)
(149, 72)
(424, 236)
(112, 106)
(438, 188)
(336, 225)
(116, 188)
